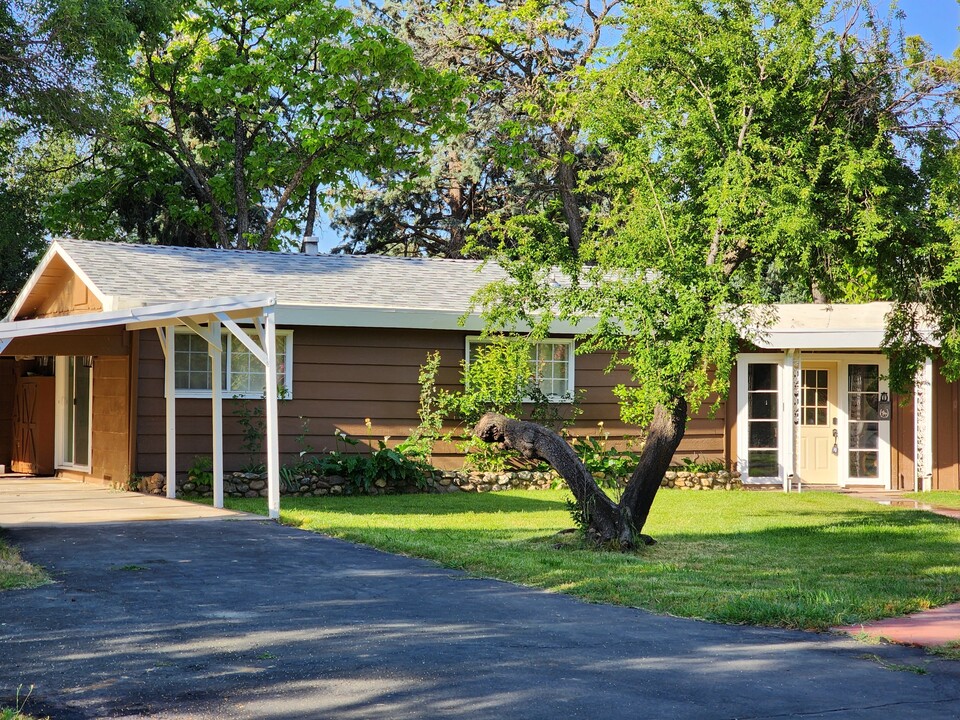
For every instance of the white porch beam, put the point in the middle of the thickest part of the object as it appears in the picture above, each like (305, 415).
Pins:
(171, 406)
(216, 394)
(257, 351)
(273, 449)
(923, 426)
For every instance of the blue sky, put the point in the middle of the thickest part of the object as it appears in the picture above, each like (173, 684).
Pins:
(935, 20)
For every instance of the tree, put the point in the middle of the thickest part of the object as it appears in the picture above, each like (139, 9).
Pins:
(757, 147)
(21, 242)
(243, 109)
(519, 157)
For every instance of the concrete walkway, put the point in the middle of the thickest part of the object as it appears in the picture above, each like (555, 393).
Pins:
(52, 502)
(220, 619)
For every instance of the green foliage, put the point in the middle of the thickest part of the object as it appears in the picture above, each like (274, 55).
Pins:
(699, 466)
(250, 418)
(243, 115)
(610, 467)
(21, 241)
(751, 151)
(500, 377)
(404, 463)
(201, 470)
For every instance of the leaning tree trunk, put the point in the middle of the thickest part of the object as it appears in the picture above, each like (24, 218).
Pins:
(606, 520)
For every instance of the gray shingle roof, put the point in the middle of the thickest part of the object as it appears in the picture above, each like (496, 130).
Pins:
(149, 274)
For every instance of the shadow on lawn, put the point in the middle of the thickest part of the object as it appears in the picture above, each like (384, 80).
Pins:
(425, 504)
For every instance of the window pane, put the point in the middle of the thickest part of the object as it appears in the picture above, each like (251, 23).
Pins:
(864, 464)
(762, 376)
(864, 378)
(763, 463)
(864, 435)
(762, 406)
(763, 434)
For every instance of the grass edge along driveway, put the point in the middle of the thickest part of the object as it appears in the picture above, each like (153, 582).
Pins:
(17, 573)
(811, 561)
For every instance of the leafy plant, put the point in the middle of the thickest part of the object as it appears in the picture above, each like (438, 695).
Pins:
(201, 471)
(608, 465)
(250, 417)
(708, 466)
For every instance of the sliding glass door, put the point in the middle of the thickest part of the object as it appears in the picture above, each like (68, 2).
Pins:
(74, 401)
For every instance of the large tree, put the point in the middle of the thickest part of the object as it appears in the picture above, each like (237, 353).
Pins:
(245, 115)
(759, 147)
(519, 157)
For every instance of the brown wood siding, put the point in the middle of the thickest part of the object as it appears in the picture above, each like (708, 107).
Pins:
(100, 342)
(343, 376)
(8, 383)
(70, 295)
(946, 431)
(903, 470)
(111, 426)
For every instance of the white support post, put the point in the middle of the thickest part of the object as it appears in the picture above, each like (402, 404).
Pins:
(923, 426)
(170, 391)
(788, 417)
(273, 449)
(215, 348)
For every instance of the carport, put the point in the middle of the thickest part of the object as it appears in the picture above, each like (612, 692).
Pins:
(206, 318)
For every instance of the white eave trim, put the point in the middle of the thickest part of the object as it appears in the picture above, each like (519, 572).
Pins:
(53, 251)
(819, 339)
(403, 318)
(236, 307)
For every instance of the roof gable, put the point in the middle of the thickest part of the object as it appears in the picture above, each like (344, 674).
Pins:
(56, 287)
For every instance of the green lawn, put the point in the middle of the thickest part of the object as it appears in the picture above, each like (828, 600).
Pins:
(17, 573)
(944, 498)
(811, 561)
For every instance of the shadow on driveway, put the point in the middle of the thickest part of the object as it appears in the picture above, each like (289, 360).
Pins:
(226, 619)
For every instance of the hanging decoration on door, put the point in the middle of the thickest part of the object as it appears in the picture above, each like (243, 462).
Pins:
(883, 408)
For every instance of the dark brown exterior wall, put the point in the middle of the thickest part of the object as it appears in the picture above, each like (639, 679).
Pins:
(946, 431)
(903, 470)
(342, 376)
(8, 383)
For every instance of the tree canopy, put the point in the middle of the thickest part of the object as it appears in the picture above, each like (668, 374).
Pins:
(755, 151)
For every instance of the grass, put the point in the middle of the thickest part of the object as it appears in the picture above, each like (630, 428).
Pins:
(16, 573)
(944, 498)
(810, 561)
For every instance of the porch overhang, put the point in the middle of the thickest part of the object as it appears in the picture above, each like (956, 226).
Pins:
(204, 317)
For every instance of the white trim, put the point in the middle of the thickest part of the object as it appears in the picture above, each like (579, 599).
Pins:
(923, 427)
(261, 357)
(570, 394)
(786, 441)
(170, 411)
(743, 425)
(272, 416)
(215, 350)
(240, 306)
(60, 377)
(821, 339)
(246, 339)
(373, 317)
(55, 250)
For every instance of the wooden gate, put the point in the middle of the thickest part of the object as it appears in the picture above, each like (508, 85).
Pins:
(33, 425)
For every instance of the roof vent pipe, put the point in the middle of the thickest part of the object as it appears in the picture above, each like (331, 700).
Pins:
(310, 244)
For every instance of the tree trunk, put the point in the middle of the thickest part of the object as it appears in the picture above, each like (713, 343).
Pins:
(608, 522)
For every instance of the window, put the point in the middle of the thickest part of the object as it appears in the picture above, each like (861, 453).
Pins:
(551, 366)
(241, 372)
(763, 457)
(863, 402)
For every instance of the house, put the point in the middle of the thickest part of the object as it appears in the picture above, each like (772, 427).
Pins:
(107, 343)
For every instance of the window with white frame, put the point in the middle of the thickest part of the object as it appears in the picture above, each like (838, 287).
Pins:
(242, 375)
(551, 366)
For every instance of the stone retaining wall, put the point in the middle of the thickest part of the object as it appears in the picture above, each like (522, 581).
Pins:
(253, 485)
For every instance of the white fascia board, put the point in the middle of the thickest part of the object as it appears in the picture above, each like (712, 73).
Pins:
(55, 250)
(413, 319)
(819, 340)
(140, 317)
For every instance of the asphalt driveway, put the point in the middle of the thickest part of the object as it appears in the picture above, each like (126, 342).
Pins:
(228, 619)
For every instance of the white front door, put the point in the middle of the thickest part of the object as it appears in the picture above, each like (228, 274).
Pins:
(74, 412)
